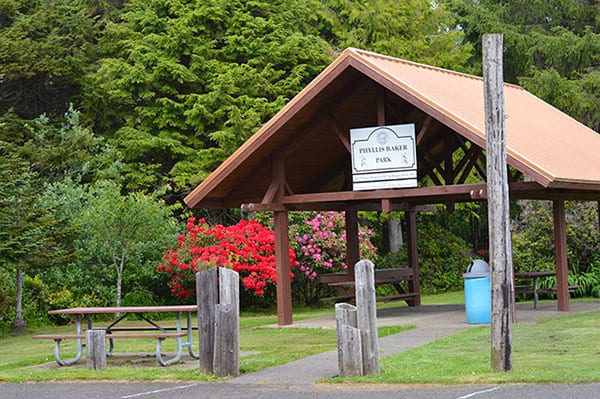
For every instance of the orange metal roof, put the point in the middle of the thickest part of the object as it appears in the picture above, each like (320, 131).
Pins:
(538, 135)
(542, 142)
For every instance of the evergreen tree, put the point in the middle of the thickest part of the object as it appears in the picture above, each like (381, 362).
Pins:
(30, 236)
(551, 47)
(416, 30)
(45, 49)
(183, 83)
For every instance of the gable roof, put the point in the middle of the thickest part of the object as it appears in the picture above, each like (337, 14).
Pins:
(307, 134)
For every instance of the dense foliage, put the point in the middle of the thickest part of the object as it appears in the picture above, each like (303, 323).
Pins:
(124, 105)
(533, 242)
(319, 241)
(247, 247)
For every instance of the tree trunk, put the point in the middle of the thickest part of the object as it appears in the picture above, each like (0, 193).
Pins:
(19, 325)
(395, 233)
(120, 279)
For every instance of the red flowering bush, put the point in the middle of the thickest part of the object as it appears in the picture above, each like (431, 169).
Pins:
(247, 247)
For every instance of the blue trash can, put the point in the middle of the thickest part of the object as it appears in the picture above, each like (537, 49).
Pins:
(478, 297)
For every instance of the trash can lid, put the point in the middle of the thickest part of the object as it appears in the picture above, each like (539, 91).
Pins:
(477, 269)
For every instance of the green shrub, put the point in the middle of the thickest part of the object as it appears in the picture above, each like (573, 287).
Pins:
(443, 258)
(7, 297)
(533, 242)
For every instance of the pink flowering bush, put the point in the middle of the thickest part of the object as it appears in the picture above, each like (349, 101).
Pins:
(320, 246)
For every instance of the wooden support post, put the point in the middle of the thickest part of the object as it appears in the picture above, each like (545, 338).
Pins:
(413, 257)
(284, 285)
(95, 344)
(367, 315)
(352, 244)
(560, 252)
(349, 341)
(498, 206)
(207, 297)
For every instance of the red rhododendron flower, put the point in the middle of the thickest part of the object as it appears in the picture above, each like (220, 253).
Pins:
(247, 247)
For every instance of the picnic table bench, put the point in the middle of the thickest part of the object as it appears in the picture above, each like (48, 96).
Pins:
(533, 285)
(344, 285)
(182, 334)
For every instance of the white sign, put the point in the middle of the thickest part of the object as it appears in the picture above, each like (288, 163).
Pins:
(384, 157)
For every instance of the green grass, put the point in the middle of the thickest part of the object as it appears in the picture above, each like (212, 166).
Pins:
(562, 350)
(23, 358)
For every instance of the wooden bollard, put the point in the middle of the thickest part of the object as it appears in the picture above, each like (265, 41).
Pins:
(364, 282)
(349, 341)
(218, 321)
(95, 349)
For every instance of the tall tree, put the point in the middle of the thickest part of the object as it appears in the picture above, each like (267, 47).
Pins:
(45, 49)
(30, 236)
(552, 48)
(417, 30)
(183, 83)
(121, 231)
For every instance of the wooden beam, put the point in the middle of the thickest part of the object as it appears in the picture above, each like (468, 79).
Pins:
(423, 129)
(560, 252)
(437, 194)
(277, 186)
(340, 133)
(352, 251)
(471, 158)
(283, 269)
(380, 106)
(386, 205)
(336, 206)
(413, 257)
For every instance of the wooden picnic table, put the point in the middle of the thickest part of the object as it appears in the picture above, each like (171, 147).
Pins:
(535, 288)
(180, 332)
(344, 285)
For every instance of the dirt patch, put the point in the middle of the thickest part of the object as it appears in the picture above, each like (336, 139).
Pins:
(133, 360)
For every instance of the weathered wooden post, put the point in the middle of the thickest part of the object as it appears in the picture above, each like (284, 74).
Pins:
(349, 341)
(227, 325)
(206, 296)
(367, 315)
(95, 344)
(498, 206)
(218, 321)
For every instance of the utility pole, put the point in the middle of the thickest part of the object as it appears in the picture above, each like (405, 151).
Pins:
(498, 206)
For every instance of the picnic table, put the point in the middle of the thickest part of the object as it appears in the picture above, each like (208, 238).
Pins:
(534, 287)
(154, 329)
(344, 285)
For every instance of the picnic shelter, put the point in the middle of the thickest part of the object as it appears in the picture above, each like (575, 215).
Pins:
(301, 158)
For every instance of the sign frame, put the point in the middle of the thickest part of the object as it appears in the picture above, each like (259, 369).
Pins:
(384, 157)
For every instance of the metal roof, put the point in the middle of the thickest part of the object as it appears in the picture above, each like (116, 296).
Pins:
(543, 143)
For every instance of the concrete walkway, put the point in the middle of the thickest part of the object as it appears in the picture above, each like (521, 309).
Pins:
(431, 322)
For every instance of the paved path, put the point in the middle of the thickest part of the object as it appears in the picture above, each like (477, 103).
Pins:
(431, 323)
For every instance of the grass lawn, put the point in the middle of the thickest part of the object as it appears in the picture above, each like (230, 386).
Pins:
(23, 358)
(566, 349)
(561, 350)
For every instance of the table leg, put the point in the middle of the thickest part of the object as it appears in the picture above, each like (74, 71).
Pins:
(180, 345)
(68, 362)
(535, 292)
